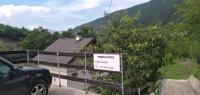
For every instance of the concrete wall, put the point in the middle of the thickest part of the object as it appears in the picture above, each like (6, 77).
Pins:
(195, 83)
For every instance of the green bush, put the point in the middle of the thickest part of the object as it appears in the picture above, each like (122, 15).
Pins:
(168, 59)
(198, 60)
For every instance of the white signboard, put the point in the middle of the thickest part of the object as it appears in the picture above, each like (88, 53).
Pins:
(110, 62)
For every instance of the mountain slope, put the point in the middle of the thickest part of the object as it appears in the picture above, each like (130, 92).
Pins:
(153, 11)
(12, 33)
(10, 36)
(7, 44)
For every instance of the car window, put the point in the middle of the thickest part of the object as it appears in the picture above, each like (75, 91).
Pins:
(4, 70)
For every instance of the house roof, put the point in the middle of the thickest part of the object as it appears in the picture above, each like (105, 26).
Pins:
(65, 45)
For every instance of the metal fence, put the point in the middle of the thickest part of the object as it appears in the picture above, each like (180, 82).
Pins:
(30, 53)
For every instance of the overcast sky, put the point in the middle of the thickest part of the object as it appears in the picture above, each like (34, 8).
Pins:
(57, 14)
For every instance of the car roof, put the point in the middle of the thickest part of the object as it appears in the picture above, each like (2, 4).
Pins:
(6, 62)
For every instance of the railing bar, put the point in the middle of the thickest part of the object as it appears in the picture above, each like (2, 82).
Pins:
(58, 62)
(95, 82)
(73, 66)
(38, 58)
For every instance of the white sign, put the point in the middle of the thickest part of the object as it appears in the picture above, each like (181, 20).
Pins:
(110, 62)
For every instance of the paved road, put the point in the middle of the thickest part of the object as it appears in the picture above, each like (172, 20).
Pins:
(177, 87)
(55, 90)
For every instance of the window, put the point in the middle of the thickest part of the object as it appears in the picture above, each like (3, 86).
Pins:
(4, 70)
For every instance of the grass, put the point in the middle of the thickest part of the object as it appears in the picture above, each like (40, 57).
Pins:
(182, 71)
(196, 69)
(177, 71)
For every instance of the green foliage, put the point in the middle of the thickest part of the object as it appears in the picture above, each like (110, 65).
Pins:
(143, 49)
(196, 69)
(190, 13)
(168, 59)
(12, 32)
(88, 32)
(198, 60)
(38, 39)
(56, 35)
(67, 34)
(177, 39)
(183, 37)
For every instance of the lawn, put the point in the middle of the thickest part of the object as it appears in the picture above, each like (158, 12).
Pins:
(196, 70)
(181, 71)
(177, 71)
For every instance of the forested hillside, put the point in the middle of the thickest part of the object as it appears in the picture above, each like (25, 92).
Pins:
(7, 44)
(12, 33)
(13, 38)
(162, 11)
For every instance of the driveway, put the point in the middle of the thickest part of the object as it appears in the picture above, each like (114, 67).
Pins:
(56, 90)
(177, 87)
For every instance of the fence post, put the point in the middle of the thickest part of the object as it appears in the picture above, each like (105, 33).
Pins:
(122, 74)
(160, 86)
(58, 68)
(38, 58)
(27, 55)
(85, 63)
(138, 91)
(67, 75)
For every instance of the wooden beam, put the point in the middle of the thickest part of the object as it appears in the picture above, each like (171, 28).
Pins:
(73, 66)
(12, 52)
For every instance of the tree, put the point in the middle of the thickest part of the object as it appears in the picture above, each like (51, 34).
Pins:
(56, 35)
(143, 49)
(88, 32)
(189, 11)
(12, 33)
(38, 39)
(67, 34)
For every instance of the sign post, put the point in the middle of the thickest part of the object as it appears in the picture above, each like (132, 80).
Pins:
(122, 73)
(110, 62)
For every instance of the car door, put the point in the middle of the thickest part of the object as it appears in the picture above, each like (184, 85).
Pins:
(11, 82)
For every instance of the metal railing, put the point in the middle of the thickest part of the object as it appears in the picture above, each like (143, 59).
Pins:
(109, 85)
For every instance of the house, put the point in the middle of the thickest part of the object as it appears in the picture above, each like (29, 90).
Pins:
(66, 45)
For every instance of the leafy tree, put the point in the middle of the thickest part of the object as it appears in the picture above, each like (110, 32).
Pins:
(39, 38)
(12, 32)
(67, 34)
(88, 32)
(183, 37)
(56, 35)
(189, 10)
(143, 50)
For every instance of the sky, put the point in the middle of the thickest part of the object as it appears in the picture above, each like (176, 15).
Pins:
(58, 14)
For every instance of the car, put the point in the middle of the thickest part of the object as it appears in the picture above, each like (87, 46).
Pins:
(16, 80)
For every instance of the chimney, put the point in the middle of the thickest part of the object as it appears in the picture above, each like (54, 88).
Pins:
(78, 37)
